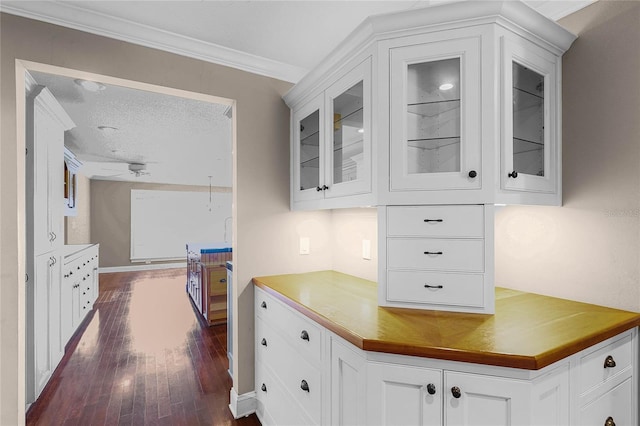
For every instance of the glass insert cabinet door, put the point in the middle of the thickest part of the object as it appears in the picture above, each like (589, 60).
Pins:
(348, 102)
(435, 116)
(308, 133)
(529, 126)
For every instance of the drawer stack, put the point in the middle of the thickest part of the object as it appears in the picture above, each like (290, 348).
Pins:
(288, 364)
(606, 384)
(436, 257)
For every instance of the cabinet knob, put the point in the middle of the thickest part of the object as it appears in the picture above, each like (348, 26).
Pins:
(609, 362)
(263, 342)
(513, 174)
(304, 386)
(431, 389)
(473, 174)
(263, 387)
(456, 392)
(304, 335)
(609, 422)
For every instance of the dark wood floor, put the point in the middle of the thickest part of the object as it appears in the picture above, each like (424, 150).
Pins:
(142, 358)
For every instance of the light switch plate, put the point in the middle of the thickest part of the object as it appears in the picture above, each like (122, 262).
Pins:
(366, 249)
(304, 245)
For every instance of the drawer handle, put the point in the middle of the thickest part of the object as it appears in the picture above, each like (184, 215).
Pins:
(433, 286)
(609, 362)
(264, 387)
(609, 422)
(513, 174)
(304, 335)
(263, 342)
(263, 305)
(304, 386)
(431, 389)
(456, 392)
(433, 220)
(433, 253)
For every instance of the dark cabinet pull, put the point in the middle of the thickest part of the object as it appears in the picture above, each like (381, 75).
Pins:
(263, 342)
(513, 174)
(263, 387)
(433, 252)
(433, 286)
(304, 386)
(609, 362)
(431, 389)
(456, 392)
(304, 335)
(318, 189)
(263, 305)
(609, 422)
(473, 174)
(325, 187)
(433, 220)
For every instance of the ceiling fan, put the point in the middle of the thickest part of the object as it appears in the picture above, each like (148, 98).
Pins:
(138, 169)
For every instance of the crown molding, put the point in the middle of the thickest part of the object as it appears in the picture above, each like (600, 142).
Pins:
(78, 18)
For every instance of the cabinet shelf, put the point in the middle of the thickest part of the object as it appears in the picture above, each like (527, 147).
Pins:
(314, 142)
(528, 92)
(433, 108)
(433, 143)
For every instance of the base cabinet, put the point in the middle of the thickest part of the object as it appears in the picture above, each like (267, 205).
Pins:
(348, 386)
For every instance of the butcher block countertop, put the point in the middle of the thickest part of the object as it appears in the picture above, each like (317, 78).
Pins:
(528, 331)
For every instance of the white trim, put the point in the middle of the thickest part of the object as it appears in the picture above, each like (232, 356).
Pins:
(149, 267)
(242, 405)
(78, 18)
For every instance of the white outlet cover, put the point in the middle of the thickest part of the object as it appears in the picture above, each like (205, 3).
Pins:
(366, 249)
(304, 245)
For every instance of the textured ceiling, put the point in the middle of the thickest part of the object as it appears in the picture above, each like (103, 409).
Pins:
(181, 141)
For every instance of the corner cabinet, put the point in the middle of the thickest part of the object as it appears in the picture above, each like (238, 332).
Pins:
(331, 143)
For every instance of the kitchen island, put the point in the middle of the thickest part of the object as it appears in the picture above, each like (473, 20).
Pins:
(538, 360)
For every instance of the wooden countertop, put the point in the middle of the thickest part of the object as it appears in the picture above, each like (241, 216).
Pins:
(528, 331)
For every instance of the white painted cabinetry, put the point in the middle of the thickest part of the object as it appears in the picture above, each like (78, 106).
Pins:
(80, 285)
(349, 386)
(331, 157)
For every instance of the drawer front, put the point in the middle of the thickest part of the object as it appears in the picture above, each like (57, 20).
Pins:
(300, 332)
(436, 221)
(435, 288)
(436, 254)
(592, 366)
(617, 404)
(300, 379)
(274, 406)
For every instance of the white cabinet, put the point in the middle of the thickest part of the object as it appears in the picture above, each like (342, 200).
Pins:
(331, 150)
(80, 285)
(435, 115)
(290, 387)
(45, 347)
(348, 384)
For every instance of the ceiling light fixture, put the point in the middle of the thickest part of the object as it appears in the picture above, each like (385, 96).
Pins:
(446, 86)
(90, 86)
(108, 130)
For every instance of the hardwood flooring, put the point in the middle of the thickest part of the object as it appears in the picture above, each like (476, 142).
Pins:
(141, 358)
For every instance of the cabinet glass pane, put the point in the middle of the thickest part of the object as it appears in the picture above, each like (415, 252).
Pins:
(310, 151)
(348, 134)
(528, 121)
(433, 117)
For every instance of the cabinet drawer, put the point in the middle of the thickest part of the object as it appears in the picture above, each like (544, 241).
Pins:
(274, 406)
(436, 221)
(300, 332)
(456, 290)
(436, 254)
(300, 379)
(593, 371)
(617, 404)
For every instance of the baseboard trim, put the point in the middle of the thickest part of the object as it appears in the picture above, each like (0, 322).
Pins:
(242, 405)
(132, 268)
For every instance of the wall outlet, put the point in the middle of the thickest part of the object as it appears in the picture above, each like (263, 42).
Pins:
(304, 245)
(366, 249)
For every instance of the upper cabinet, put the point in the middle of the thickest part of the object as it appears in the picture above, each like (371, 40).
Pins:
(460, 105)
(331, 143)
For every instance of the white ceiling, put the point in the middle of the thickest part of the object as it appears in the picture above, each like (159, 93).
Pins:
(280, 39)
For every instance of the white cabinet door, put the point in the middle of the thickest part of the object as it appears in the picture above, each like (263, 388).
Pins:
(348, 131)
(530, 131)
(615, 407)
(308, 151)
(436, 116)
(404, 395)
(348, 386)
(473, 399)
